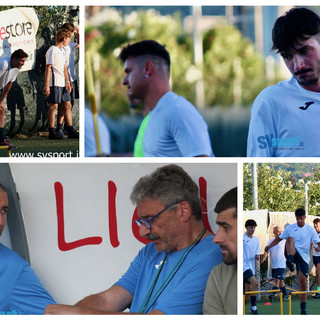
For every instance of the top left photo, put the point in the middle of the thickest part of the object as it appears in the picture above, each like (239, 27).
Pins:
(39, 96)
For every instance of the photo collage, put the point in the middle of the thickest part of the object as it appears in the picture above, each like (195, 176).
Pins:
(180, 117)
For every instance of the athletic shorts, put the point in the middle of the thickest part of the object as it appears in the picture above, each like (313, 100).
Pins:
(278, 273)
(74, 94)
(316, 260)
(300, 263)
(58, 95)
(246, 275)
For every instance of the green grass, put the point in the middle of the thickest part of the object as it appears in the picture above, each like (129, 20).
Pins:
(40, 146)
(313, 306)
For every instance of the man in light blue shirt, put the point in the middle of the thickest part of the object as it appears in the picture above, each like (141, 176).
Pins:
(169, 275)
(175, 127)
(20, 290)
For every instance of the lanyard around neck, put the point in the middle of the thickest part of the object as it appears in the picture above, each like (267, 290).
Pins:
(148, 300)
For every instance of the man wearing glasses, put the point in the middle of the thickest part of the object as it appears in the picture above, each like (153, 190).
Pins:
(169, 275)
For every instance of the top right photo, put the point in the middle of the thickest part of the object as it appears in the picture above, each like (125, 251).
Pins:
(202, 81)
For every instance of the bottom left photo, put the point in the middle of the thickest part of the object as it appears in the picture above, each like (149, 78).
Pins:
(110, 238)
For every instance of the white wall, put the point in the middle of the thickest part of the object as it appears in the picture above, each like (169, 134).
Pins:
(73, 274)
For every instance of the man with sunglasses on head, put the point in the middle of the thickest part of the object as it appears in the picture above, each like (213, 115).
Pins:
(169, 275)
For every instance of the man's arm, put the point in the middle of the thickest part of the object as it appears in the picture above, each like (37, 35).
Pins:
(46, 88)
(5, 92)
(264, 258)
(112, 301)
(66, 76)
(76, 31)
(272, 244)
(318, 247)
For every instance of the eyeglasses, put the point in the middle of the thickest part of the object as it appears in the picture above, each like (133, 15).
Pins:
(147, 222)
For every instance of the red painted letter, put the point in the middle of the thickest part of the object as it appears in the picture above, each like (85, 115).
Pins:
(204, 206)
(62, 244)
(113, 227)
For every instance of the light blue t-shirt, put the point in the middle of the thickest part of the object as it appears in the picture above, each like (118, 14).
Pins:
(20, 290)
(184, 292)
(176, 129)
(285, 122)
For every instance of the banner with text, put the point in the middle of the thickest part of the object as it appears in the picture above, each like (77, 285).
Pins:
(18, 29)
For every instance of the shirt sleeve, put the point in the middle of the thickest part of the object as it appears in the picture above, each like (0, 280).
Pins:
(190, 132)
(315, 237)
(49, 56)
(73, 45)
(29, 296)
(262, 130)
(212, 303)
(129, 280)
(284, 234)
(258, 248)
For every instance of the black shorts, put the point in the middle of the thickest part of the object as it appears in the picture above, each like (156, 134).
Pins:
(316, 260)
(74, 94)
(246, 275)
(58, 95)
(278, 273)
(300, 263)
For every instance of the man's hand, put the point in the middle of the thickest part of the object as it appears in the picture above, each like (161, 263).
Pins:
(68, 86)
(46, 91)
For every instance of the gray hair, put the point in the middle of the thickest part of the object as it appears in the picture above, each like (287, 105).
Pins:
(168, 184)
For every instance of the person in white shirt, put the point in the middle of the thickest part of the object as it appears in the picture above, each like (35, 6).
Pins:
(9, 69)
(316, 257)
(299, 239)
(57, 85)
(285, 117)
(72, 73)
(278, 262)
(251, 254)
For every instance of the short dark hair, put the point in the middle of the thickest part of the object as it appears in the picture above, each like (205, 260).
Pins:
(316, 220)
(145, 47)
(19, 54)
(296, 25)
(300, 212)
(69, 26)
(168, 184)
(250, 223)
(227, 201)
(2, 188)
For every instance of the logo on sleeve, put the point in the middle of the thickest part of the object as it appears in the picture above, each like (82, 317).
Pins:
(307, 105)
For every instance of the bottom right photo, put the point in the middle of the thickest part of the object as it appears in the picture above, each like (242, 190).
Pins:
(281, 238)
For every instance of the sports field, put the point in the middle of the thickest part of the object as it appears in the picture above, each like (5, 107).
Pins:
(40, 146)
(313, 306)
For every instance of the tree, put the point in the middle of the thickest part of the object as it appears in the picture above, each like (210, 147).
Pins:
(222, 46)
(279, 190)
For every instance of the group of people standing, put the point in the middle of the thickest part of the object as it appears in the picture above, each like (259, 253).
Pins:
(60, 83)
(293, 253)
